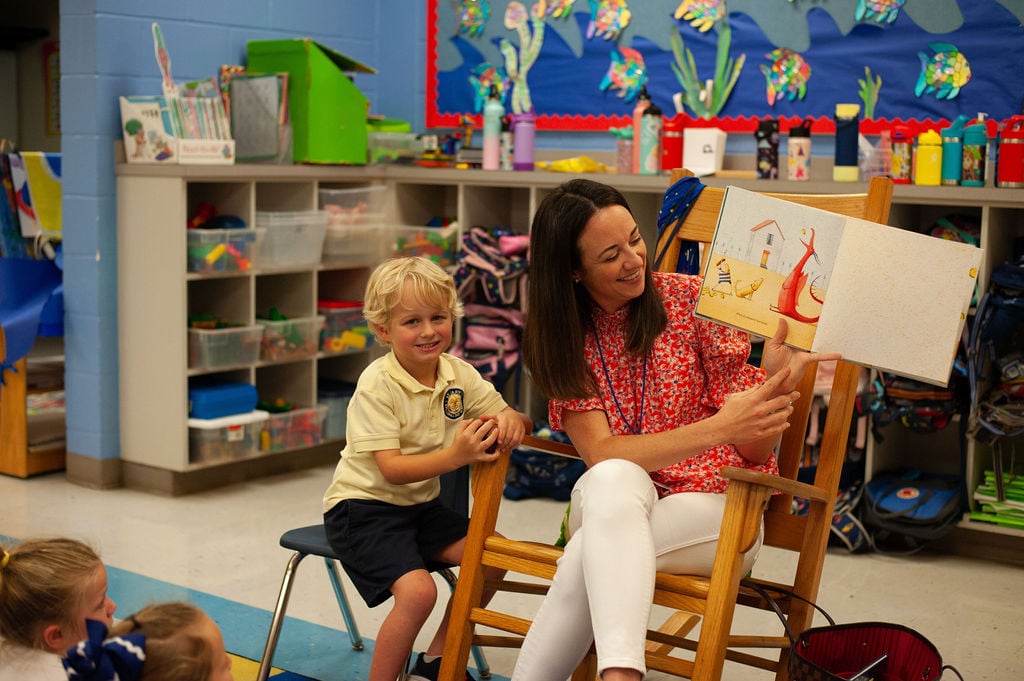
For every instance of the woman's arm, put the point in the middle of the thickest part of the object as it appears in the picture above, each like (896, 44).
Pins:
(757, 415)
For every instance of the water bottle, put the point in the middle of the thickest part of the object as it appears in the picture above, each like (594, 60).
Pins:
(767, 139)
(901, 155)
(928, 161)
(523, 132)
(1010, 168)
(847, 131)
(506, 144)
(651, 125)
(672, 144)
(643, 100)
(798, 151)
(972, 172)
(493, 113)
(952, 151)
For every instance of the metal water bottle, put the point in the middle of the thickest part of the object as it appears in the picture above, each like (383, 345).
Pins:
(901, 155)
(493, 113)
(798, 151)
(1010, 165)
(643, 100)
(952, 151)
(972, 172)
(651, 124)
(672, 144)
(506, 144)
(767, 139)
(523, 132)
(847, 134)
(928, 160)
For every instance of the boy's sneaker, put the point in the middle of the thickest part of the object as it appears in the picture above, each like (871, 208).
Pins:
(428, 671)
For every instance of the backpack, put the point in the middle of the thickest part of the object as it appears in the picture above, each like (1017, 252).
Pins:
(911, 507)
(491, 342)
(537, 474)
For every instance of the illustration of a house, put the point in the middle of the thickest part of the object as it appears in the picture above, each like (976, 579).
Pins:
(765, 245)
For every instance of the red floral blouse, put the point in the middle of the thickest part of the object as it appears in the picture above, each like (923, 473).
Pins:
(692, 367)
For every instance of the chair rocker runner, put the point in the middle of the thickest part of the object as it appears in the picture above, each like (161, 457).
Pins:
(751, 497)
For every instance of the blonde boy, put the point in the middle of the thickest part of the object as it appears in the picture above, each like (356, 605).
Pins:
(417, 413)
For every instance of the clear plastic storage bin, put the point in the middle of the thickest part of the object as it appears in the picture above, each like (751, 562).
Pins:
(293, 429)
(353, 206)
(393, 147)
(344, 328)
(229, 437)
(290, 338)
(212, 348)
(335, 396)
(223, 250)
(291, 239)
(356, 245)
(438, 244)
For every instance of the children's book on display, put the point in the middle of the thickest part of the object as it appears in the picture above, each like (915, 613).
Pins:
(879, 295)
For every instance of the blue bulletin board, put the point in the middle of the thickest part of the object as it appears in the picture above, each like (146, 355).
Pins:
(579, 63)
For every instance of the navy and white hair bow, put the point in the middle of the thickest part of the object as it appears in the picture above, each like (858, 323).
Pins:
(98, 658)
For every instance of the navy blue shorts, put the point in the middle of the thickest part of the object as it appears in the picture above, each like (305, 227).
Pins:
(379, 542)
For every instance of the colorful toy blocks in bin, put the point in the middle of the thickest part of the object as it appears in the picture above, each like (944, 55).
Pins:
(438, 244)
(292, 239)
(224, 346)
(225, 438)
(223, 250)
(290, 338)
(293, 429)
(353, 206)
(344, 328)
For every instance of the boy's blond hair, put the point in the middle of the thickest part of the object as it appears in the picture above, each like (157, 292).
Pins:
(173, 650)
(431, 284)
(43, 581)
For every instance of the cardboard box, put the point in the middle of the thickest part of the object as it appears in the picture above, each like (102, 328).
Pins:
(327, 110)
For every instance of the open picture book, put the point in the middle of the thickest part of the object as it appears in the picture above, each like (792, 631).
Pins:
(881, 296)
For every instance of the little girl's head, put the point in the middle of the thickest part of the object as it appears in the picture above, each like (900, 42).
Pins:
(425, 280)
(48, 589)
(162, 642)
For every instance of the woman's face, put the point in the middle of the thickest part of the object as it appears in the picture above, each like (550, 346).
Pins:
(613, 257)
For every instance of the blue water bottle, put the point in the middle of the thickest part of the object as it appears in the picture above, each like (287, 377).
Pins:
(952, 151)
(847, 134)
(974, 153)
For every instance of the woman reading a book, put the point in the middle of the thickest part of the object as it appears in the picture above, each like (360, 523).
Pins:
(656, 401)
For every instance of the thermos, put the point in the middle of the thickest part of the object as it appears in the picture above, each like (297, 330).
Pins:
(1010, 168)
(523, 132)
(901, 154)
(493, 113)
(847, 134)
(623, 149)
(643, 100)
(953, 151)
(767, 139)
(672, 144)
(506, 144)
(972, 172)
(798, 151)
(651, 124)
(928, 161)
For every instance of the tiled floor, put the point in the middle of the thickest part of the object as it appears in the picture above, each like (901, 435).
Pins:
(221, 548)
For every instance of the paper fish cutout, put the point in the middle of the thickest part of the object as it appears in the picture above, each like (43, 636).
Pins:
(702, 14)
(608, 18)
(944, 73)
(882, 11)
(560, 8)
(471, 16)
(787, 76)
(626, 73)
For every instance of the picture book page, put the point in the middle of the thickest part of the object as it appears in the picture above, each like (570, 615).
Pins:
(770, 259)
(898, 300)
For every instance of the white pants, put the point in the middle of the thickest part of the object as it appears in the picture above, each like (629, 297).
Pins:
(620, 534)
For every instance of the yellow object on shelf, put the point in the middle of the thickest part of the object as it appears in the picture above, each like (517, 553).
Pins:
(577, 164)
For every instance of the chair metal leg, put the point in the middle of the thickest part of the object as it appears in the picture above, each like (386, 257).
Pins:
(346, 611)
(278, 618)
(482, 668)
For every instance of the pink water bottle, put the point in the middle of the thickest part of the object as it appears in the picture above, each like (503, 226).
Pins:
(523, 132)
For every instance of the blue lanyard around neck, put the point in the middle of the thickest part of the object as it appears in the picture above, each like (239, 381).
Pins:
(637, 429)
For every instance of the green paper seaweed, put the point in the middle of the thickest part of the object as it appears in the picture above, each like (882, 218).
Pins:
(707, 100)
(869, 88)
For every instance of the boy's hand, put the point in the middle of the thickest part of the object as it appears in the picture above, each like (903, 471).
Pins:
(510, 426)
(475, 441)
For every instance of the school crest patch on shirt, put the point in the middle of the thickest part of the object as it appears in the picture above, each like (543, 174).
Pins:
(453, 403)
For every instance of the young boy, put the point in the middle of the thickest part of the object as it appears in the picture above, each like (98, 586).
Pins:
(417, 412)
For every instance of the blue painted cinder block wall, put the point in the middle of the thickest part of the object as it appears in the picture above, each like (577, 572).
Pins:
(107, 51)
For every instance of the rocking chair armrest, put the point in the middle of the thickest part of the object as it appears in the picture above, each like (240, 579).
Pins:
(797, 489)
